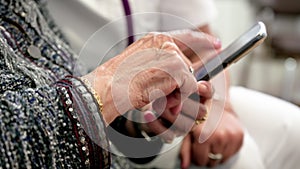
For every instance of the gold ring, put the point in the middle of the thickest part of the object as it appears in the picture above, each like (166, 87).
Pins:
(202, 120)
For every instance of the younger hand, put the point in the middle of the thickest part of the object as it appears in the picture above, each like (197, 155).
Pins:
(226, 140)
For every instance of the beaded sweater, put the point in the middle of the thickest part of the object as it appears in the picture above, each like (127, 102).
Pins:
(48, 117)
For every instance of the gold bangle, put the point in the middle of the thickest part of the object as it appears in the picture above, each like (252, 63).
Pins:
(95, 94)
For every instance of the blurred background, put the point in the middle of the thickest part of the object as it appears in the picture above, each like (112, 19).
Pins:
(273, 67)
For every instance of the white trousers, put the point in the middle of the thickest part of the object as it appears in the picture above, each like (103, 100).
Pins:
(272, 128)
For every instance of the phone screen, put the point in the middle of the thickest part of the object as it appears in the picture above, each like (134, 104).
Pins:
(240, 47)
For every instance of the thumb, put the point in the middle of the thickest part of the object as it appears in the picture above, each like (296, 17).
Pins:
(185, 152)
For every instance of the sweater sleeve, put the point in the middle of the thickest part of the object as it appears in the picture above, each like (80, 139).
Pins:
(56, 125)
(48, 118)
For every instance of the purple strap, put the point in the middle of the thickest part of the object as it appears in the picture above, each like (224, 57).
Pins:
(127, 11)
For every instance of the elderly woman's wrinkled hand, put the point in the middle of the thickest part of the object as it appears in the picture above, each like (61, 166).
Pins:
(151, 68)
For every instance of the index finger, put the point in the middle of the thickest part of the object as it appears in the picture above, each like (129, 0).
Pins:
(185, 79)
(194, 40)
(185, 152)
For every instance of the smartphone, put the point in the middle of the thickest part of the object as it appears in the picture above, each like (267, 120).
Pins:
(231, 54)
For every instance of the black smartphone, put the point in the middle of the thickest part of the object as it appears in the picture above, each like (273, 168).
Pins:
(231, 54)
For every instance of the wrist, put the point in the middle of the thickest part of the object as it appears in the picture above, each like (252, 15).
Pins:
(99, 84)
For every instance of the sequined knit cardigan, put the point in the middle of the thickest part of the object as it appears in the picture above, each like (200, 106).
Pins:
(48, 117)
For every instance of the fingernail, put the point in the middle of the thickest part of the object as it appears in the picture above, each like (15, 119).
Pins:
(149, 117)
(202, 87)
(217, 43)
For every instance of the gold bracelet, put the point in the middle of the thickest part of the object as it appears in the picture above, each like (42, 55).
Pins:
(95, 94)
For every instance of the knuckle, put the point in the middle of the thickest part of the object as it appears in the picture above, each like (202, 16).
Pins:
(163, 36)
(152, 34)
(232, 136)
(172, 48)
(220, 137)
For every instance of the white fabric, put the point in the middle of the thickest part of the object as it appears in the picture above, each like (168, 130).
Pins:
(271, 135)
(190, 10)
(80, 19)
(273, 124)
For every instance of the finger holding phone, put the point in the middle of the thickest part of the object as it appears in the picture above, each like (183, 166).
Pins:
(160, 123)
(227, 138)
(173, 116)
